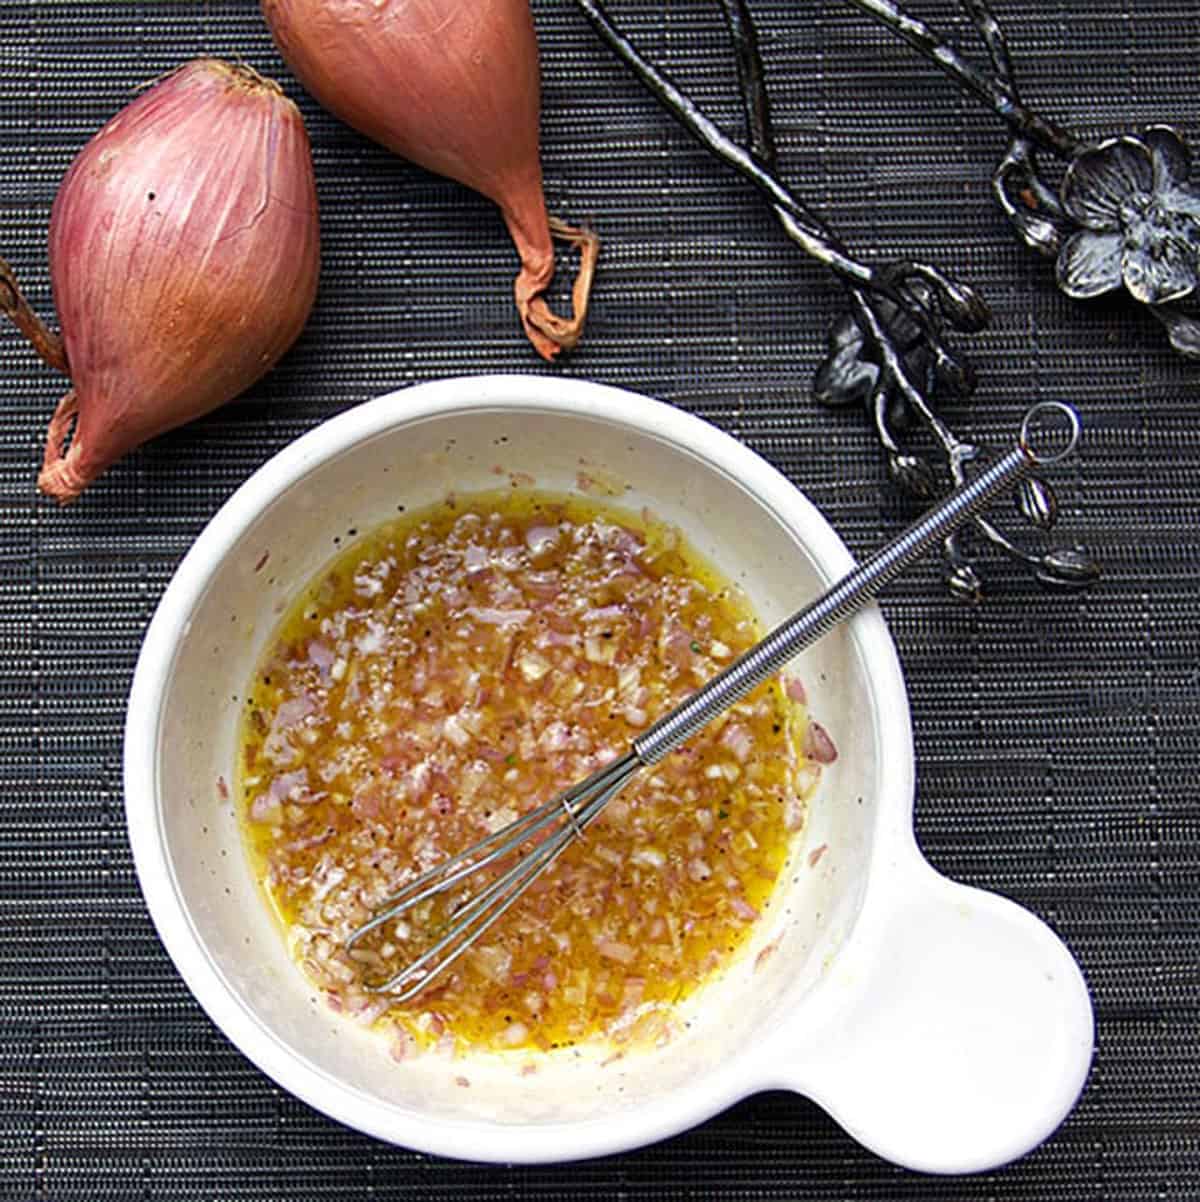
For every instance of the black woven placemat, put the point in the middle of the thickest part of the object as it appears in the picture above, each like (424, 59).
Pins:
(1056, 738)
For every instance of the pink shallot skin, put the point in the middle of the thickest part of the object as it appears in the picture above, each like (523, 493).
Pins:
(453, 86)
(184, 255)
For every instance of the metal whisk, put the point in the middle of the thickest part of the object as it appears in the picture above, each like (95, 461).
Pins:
(569, 814)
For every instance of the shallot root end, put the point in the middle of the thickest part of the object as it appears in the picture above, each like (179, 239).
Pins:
(549, 332)
(60, 476)
(44, 340)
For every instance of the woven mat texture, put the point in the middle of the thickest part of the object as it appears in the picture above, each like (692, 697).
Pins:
(1056, 737)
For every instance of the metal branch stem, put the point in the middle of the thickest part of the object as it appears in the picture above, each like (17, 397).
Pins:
(1021, 156)
(801, 224)
(762, 145)
(1019, 163)
(751, 78)
(817, 242)
(992, 91)
(995, 41)
(751, 82)
(956, 450)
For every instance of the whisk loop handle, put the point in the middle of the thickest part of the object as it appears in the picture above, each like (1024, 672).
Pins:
(858, 587)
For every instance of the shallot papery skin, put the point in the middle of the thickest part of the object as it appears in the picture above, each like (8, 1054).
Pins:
(184, 254)
(454, 86)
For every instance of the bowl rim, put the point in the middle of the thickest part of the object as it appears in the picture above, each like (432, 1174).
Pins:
(636, 1124)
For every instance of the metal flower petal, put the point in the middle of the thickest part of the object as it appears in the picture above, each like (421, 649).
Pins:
(1170, 156)
(1159, 266)
(1090, 264)
(1104, 178)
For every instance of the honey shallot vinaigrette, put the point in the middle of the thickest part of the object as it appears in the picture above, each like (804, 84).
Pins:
(464, 664)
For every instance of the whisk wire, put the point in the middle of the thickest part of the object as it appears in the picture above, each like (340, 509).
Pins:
(465, 930)
(582, 803)
(490, 848)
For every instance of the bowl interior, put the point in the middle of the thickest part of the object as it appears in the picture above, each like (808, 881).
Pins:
(222, 609)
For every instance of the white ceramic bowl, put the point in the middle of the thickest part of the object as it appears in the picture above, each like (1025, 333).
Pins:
(944, 1027)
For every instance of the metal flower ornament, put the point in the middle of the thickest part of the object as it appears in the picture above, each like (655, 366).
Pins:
(1140, 227)
(1125, 214)
(890, 350)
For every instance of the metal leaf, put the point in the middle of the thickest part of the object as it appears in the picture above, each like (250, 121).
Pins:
(844, 378)
(845, 332)
(939, 294)
(1031, 206)
(1067, 571)
(1036, 502)
(955, 377)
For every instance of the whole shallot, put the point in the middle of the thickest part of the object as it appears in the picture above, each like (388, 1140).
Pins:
(184, 253)
(452, 85)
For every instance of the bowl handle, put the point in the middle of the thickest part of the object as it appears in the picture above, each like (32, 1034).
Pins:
(952, 1034)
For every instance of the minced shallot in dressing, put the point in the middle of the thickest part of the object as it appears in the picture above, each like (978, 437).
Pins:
(460, 666)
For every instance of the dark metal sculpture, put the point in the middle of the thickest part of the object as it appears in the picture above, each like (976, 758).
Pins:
(1125, 213)
(889, 350)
